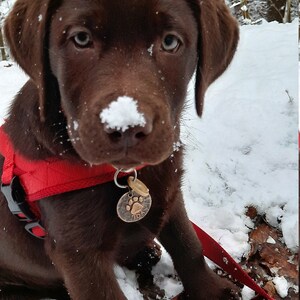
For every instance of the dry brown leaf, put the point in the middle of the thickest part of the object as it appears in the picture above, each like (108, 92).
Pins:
(251, 212)
(270, 288)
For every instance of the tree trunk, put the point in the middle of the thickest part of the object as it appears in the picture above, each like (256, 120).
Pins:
(276, 10)
(245, 10)
(288, 12)
(2, 50)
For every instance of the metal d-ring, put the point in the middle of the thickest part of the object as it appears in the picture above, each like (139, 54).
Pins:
(118, 171)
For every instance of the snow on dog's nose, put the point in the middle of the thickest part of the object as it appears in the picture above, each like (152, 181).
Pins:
(122, 114)
(124, 123)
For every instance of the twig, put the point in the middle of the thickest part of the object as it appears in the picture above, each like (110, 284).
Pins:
(291, 99)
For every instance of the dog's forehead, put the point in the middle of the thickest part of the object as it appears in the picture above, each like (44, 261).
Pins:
(124, 15)
(124, 7)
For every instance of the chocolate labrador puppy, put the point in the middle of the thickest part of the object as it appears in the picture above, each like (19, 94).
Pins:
(82, 56)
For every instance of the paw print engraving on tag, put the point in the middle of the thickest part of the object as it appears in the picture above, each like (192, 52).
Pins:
(135, 206)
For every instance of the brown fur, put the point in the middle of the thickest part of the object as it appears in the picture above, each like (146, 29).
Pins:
(85, 237)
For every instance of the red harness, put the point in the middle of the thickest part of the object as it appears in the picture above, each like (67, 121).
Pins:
(24, 182)
(45, 178)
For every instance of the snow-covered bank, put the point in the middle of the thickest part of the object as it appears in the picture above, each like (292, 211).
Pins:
(244, 150)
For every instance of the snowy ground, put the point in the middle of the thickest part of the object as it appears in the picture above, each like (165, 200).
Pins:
(246, 143)
(242, 152)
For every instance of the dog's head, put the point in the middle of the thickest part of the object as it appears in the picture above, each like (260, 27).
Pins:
(121, 68)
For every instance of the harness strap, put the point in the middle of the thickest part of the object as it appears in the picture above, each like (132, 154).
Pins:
(9, 158)
(49, 177)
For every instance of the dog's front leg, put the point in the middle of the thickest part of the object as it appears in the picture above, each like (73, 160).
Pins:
(180, 240)
(88, 275)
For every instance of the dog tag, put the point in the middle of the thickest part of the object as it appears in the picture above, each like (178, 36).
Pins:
(133, 207)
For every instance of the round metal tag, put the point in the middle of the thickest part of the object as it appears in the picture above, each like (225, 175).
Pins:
(133, 207)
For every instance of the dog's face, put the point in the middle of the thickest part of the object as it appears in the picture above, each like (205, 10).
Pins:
(97, 52)
(145, 50)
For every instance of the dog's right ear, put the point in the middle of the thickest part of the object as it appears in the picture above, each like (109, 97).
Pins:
(218, 39)
(26, 32)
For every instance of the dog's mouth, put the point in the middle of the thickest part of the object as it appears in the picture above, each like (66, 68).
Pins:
(122, 157)
(126, 163)
(124, 160)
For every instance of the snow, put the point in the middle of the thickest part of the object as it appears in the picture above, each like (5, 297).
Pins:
(12, 79)
(242, 152)
(5, 7)
(244, 8)
(75, 125)
(270, 240)
(246, 142)
(247, 293)
(165, 276)
(150, 49)
(122, 114)
(128, 282)
(281, 286)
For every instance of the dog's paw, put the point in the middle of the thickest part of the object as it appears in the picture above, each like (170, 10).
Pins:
(148, 288)
(227, 290)
(230, 294)
(217, 289)
(226, 294)
(146, 258)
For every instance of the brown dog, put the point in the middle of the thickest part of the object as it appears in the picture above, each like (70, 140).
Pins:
(81, 55)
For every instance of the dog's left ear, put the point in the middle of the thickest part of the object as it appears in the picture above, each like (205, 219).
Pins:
(218, 38)
(26, 32)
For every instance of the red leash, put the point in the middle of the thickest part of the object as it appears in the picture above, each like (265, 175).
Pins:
(213, 251)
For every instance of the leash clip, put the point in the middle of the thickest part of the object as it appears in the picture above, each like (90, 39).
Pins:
(15, 197)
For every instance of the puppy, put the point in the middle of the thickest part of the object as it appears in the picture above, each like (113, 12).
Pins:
(82, 56)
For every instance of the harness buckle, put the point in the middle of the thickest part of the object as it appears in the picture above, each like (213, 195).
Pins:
(15, 197)
(36, 229)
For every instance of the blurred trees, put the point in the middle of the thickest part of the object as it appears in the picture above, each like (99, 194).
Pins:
(4, 8)
(253, 11)
(2, 48)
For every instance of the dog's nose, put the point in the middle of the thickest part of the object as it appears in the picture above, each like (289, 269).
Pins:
(130, 137)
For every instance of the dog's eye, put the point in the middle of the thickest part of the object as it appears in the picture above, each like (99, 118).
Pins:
(82, 39)
(170, 43)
